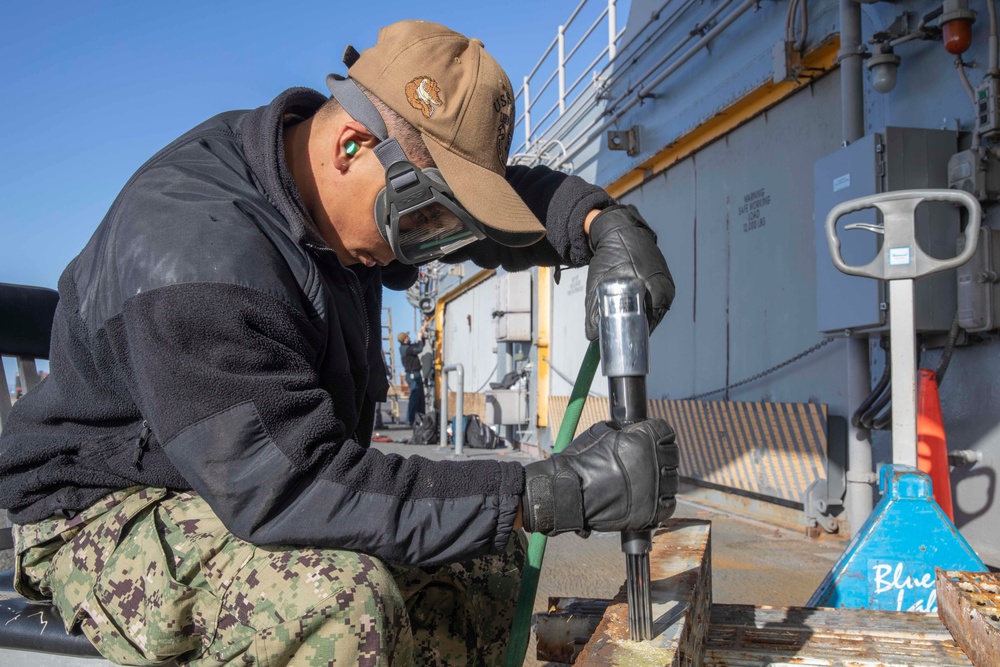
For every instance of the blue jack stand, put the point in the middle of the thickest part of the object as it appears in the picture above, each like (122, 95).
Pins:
(890, 563)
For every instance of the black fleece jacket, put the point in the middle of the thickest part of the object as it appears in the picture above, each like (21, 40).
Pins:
(207, 338)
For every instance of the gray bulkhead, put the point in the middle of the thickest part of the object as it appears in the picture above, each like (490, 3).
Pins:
(735, 219)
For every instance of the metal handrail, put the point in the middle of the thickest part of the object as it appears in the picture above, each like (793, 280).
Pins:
(632, 50)
(607, 15)
(590, 67)
(640, 89)
(543, 131)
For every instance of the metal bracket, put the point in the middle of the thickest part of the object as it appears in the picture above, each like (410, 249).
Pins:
(824, 500)
(624, 140)
(786, 62)
(601, 88)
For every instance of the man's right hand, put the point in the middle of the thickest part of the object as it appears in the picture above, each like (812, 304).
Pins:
(606, 480)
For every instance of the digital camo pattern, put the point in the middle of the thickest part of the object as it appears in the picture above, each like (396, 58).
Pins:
(461, 614)
(153, 576)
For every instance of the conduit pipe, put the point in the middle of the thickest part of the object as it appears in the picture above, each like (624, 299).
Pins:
(851, 72)
(645, 91)
(650, 39)
(859, 450)
(662, 61)
(994, 66)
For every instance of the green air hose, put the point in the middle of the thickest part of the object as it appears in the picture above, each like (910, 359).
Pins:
(521, 631)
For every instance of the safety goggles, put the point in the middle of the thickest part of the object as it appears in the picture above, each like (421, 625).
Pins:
(419, 217)
(416, 213)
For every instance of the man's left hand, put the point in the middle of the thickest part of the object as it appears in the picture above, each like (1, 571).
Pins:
(625, 247)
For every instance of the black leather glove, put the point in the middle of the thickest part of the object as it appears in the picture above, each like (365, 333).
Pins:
(605, 480)
(625, 247)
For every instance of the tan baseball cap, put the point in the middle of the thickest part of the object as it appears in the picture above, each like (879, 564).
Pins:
(461, 101)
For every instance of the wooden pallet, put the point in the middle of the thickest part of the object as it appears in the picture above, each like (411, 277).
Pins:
(690, 631)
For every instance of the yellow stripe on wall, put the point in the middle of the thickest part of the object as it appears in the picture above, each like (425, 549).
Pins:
(769, 449)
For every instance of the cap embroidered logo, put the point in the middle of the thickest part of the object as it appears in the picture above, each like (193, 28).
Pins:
(423, 94)
(504, 108)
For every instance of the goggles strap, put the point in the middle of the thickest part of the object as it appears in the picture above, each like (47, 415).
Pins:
(357, 104)
(389, 152)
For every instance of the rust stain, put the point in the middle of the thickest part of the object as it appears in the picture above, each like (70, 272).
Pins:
(969, 605)
(680, 569)
(746, 635)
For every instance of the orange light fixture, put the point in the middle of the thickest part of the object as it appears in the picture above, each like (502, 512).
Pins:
(956, 26)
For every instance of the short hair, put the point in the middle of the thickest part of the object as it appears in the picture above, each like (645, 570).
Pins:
(403, 336)
(408, 136)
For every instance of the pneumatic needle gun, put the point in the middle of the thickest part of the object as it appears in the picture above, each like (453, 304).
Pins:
(624, 335)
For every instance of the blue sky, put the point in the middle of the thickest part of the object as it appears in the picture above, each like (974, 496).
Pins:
(92, 88)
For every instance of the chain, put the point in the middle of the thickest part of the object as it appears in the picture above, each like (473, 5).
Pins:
(788, 362)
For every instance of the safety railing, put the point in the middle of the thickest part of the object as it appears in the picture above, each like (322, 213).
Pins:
(533, 96)
(557, 134)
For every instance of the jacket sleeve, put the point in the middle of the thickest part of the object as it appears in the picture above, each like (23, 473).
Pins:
(560, 202)
(225, 376)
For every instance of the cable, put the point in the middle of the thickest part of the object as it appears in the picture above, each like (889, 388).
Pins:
(949, 348)
(960, 68)
(884, 422)
(567, 379)
(823, 343)
(803, 27)
(964, 78)
(858, 419)
(488, 378)
(790, 20)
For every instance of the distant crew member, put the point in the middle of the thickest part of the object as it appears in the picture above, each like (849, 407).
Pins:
(414, 378)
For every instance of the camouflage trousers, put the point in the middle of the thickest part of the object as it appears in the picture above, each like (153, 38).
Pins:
(153, 576)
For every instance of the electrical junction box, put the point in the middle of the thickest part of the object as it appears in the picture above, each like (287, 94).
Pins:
(988, 108)
(978, 293)
(513, 308)
(977, 171)
(506, 407)
(896, 158)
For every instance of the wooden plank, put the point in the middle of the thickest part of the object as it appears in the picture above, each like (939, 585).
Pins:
(472, 404)
(745, 636)
(681, 591)
(969, 605)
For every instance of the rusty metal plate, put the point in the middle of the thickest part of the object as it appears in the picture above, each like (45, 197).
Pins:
(969, 605)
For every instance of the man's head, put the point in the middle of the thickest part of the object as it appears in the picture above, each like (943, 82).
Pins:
(449, 105)
(403, 337)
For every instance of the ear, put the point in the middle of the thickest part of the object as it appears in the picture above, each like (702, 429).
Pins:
(350, 130)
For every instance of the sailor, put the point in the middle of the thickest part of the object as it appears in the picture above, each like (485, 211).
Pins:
(410, 354)
(194, 482)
